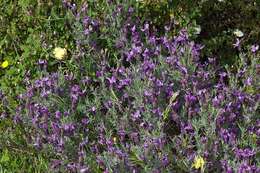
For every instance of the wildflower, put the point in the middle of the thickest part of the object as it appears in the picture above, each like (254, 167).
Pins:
(114, 139)
(5, 64)
(59, 53)
(83, 170)
(197, 30)
(254, 48)
(244, 167)
(198, 162)
(237, 44)
(249, 81)
(165, 160)
(244, 153)
(238, 33)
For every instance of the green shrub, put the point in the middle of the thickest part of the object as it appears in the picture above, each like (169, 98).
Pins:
(218, 21)
(178, 13)
(30, 30)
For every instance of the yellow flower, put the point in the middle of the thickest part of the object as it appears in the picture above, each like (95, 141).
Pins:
(5, 64)
(59, 53)
(198, 162)
(114, 139)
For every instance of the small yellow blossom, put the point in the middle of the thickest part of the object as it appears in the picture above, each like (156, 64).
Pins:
(5, 64)
(198, 163)
(114, 139)
(59, 53)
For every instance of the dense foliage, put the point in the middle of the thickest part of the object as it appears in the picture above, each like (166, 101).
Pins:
(127, 86)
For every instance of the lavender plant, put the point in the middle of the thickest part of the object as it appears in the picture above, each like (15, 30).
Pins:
(142, 102)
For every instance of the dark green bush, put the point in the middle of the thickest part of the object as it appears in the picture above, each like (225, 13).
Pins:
(176, 13)
(218, 20)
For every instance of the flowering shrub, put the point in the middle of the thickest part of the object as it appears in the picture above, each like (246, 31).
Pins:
(152, 106)
(133, 100)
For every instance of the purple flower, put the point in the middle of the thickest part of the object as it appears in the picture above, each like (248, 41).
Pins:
(254, 48)
(58, 115)
(227, 136)
(69, 128)
(244, 153)
(159, 143)
(145, 28)
(17, 119)
(157, 111)
(182, 37)
(136, 114)
(42, 62)
(56, 163)
(165, 160)
(55, 128)
(134, 137)
(85, 121)
(148, 67)
(131, 10)
(244, 168)
(72, 167)
(249, 81)
(75, 94)
(237, 44)
(196, 48)
(187, 128)
(84, 170)
(130, 55)
(225, 167)
(190, 99)
(124, 82)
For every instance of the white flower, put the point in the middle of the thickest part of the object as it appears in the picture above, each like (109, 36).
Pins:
(59, 53)
(238, 33)
(197, 29)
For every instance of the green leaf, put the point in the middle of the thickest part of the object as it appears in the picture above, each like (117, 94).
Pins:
(135, 160)
(5, 157)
